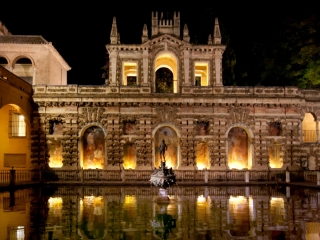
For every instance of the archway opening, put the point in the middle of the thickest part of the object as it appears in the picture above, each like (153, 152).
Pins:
(164, 80)
(93, 146)
(3, 62)
(23, 69)
(238, 149)
(309, 128)
(169, 61)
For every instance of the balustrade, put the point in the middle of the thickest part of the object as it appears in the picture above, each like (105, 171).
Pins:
(12, 177)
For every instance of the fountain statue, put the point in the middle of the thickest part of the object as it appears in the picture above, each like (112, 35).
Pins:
(163, 177)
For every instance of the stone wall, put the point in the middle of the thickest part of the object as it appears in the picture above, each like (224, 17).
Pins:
(252, 109)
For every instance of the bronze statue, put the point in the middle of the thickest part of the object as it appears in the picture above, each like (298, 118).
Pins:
(162, 149)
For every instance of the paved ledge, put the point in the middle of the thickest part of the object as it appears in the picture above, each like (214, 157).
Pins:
(143, 183)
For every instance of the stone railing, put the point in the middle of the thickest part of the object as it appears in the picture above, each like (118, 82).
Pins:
(16, 177)
(77, 90)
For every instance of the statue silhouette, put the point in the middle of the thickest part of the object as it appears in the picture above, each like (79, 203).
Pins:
(162, 149)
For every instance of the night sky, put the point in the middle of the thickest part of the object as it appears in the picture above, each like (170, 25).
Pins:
(79, 31)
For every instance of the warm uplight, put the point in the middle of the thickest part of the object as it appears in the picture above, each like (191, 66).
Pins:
(95, 165)
(55, 205)
(130, 200)
(201, 166)
(237, 165)
(201, 199)
(275, 158)
(55, 202)
(55, 163)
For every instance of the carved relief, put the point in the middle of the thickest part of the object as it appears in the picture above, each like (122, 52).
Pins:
(238, 114)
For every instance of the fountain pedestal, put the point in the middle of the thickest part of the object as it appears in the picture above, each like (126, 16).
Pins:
(163, 177)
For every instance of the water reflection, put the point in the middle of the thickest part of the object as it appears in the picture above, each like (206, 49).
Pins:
(260, 212)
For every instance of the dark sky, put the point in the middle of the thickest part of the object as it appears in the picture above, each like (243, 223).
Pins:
(79, 31)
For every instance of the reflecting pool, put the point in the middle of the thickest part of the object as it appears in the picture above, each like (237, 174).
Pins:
(89, 212)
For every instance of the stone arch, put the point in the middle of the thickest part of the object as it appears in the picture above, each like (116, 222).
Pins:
(233, 141)
(168, 60)
(172, 139)
(92, 146)
(17, 58)
(309, 127)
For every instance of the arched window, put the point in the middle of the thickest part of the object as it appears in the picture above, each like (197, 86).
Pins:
(169, 62)
(309, 128)
(23, 69)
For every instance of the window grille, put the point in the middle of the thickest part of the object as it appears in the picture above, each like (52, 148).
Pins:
(17, 124)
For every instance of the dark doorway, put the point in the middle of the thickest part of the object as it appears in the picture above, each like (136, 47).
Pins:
(164, 80)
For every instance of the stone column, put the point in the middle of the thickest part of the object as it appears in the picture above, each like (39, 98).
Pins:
(145, 56)
(186, 66)
(218, 67)
(113, 67)
(317, 130)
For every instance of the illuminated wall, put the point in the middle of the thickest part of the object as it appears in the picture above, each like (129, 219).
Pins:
(129, 156)
(202, 156)
(275, 154)
(15, 151)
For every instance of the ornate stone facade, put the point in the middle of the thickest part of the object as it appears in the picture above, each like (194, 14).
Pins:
(206, 125)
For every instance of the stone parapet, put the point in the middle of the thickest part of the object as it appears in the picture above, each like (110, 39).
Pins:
(284, 92)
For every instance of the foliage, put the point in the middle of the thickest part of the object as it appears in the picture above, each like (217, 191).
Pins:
(164, 81)
(105, 68)
(293, 57)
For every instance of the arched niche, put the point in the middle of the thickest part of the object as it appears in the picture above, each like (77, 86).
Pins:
(309, 128)
(239, 147)
(167, 60)
(23, 67)
(202, 156)
(312, 163)
(92, 147)
(171, 138)
(129, 156)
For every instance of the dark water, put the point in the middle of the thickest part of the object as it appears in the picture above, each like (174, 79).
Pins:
(73, 212)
